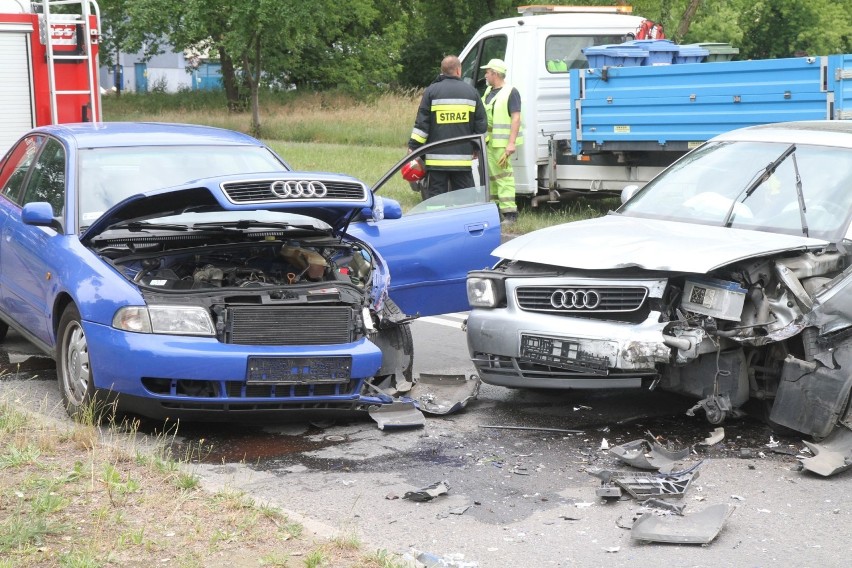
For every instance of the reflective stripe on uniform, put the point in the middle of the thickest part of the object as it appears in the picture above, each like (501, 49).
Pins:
(447, 160)
(453, 111)
(419, 136)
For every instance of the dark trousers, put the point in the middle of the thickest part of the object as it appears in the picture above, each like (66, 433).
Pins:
(442, 181)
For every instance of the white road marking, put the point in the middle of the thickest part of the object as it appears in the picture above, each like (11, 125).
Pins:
(450, 320)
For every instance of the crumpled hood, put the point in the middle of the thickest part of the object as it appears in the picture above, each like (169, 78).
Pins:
(616, 241)
(344, 195)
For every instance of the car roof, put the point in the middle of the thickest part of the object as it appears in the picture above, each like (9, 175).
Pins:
(116, 134)
(819, 132)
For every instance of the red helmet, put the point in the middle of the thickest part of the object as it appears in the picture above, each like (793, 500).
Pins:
(413, 170)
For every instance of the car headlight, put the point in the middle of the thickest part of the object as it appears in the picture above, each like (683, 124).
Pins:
(485, 292)
(169, 320)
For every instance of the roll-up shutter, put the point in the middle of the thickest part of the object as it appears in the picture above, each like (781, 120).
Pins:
(16, 104)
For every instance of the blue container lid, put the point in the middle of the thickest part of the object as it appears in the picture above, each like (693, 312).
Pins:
(616, 50)
(653, 44)
(690, 51)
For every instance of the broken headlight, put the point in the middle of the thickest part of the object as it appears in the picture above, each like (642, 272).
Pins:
(486, 292)
(168, 320)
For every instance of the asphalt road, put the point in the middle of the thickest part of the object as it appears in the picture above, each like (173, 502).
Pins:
(516, 497)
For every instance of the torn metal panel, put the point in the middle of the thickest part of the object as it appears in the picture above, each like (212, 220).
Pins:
(397, 414)
(831, 456)
(700, 528)
(444, 394)
(647, 455)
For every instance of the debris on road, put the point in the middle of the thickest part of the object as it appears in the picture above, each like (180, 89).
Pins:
(444, 394)
(664, 505)
(715, 437)
(648, 455)
(428, 493)
(531, 428)
(832, 455)
(396, 415)
(644, 485)
(700, 528)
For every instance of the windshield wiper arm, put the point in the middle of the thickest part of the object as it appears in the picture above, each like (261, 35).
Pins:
(756, 182)
(802, 207)
(248, 224)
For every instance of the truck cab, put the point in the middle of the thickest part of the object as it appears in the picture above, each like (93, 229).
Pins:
(539, 47)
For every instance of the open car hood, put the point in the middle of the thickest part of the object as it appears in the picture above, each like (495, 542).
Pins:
(331, 198)
(616, 241)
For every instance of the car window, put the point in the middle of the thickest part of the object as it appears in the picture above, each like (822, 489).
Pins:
(47, 180)
(493, 47)
(17, 165)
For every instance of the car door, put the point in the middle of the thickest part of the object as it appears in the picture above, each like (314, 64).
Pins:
(432, 247)
(29, 254)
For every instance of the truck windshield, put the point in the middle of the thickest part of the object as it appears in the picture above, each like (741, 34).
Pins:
(562, 53)
(706, 187)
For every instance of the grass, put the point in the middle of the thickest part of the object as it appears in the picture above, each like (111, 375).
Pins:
(330, 132)
(80, 495)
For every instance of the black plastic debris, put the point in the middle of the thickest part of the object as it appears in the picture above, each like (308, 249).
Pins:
(428, 493)
(648, 455)
(832, 455)
(700, 528)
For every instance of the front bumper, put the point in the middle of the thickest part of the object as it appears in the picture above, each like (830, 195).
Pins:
(167, 375)
(584, 353)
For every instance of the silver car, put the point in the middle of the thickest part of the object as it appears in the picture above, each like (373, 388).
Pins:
(727, 278)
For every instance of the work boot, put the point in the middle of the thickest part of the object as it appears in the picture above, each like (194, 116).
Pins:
(509, 218)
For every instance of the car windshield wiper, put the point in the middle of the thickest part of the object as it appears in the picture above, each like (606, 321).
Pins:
(759, 178)
(802, 207)
(146, 226)
(248, 224)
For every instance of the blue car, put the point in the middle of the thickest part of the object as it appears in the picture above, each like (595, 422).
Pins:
(181, 271)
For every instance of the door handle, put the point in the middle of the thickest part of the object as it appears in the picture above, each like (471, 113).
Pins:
(475, 229)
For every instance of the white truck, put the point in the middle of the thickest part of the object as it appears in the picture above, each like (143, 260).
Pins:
(596, 129)
(543, 34)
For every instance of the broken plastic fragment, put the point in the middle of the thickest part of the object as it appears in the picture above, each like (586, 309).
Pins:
(397, 414)
(444, 394)
(604, 444)
(647, 455)
(664, 505)
(700, 528)
(428, 493)
(715, 437)
(832, 455)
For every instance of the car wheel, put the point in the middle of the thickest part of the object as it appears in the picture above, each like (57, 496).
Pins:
(72, 365)
(4, 329)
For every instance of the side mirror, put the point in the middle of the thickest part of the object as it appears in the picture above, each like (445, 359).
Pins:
(383, 208)
(628, 192)
(38, 213)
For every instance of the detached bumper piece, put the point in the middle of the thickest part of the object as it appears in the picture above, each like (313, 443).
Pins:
(700, 528)
(644, 485)
(831, 456)
(432, 394)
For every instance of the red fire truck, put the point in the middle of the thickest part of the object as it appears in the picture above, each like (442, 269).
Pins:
(48, 65)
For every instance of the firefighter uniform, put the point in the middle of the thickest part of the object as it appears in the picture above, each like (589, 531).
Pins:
(449, 108)
(499, 106)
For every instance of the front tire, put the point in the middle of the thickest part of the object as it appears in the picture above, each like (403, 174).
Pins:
(73, 370)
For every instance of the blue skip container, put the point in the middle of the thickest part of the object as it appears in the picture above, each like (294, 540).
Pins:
(660, 51)
(617, 55)
(690, 54)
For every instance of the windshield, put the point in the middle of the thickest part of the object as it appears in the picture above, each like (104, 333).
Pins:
(720, 184)
(110, 175)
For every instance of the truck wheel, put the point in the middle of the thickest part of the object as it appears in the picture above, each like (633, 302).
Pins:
(73, 370)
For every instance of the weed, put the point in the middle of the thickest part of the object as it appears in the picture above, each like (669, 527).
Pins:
(186, 481)
(276, 559)
(315, 559)
(381, 559)
(16, 457)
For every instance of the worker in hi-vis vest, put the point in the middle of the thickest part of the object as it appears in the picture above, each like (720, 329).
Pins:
(449, 108)
(503, 109)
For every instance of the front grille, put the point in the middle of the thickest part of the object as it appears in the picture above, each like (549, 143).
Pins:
(289, 325)
(607, 299)
(262, 191)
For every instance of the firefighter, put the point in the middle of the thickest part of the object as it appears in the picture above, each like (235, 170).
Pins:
(503, 108)
(449, 108)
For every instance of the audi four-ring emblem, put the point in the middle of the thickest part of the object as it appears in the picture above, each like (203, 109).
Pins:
(289, 189)
(575, 299)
